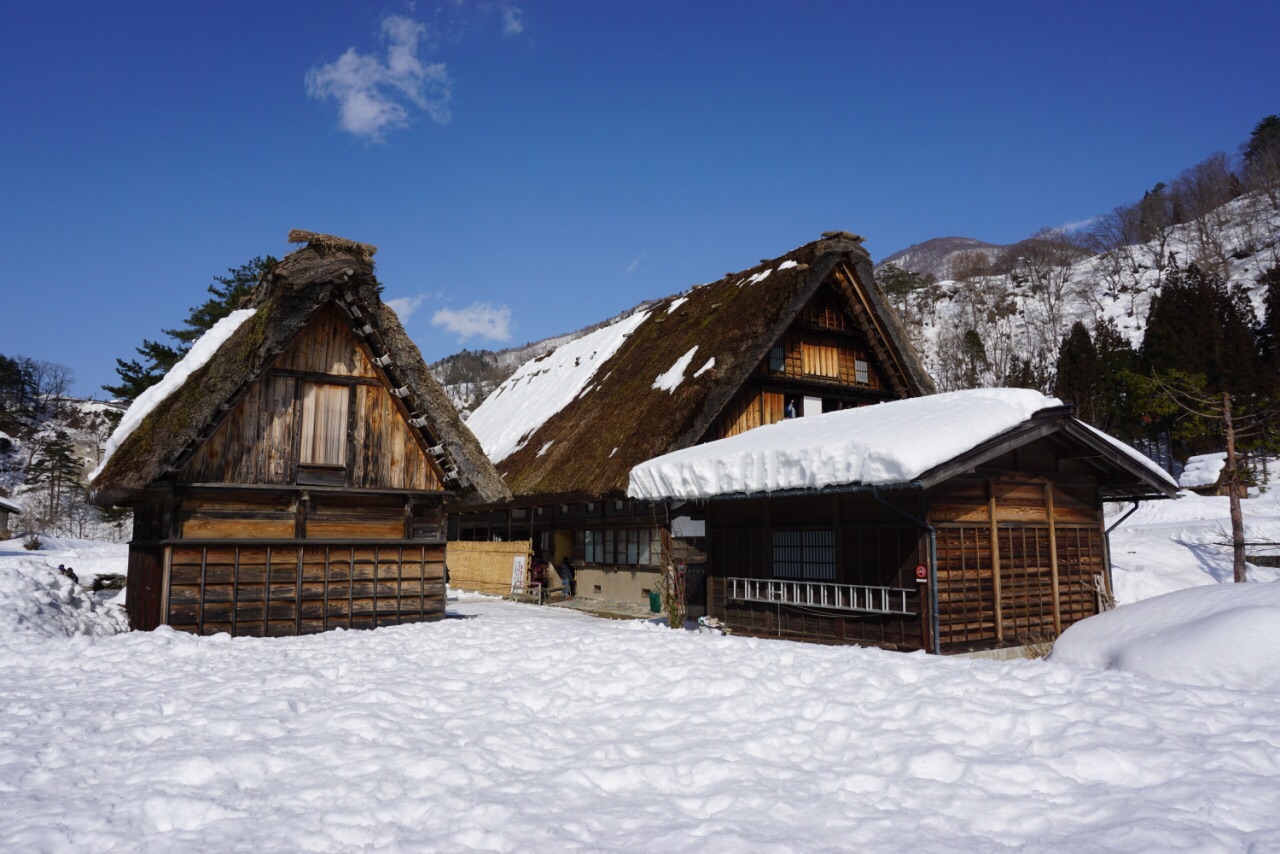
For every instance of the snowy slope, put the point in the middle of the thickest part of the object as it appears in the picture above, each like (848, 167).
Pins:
(1172, 545)
(536, 729)
(1117, 286)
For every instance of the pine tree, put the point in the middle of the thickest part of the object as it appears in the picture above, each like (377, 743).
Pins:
(158, 357)
(1077, 372)
(55, 471)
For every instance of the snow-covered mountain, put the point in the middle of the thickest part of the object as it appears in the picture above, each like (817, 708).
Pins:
(937, 257)
(1026, 303)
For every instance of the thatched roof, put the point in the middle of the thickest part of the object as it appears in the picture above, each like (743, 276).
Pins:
(326, 270)
(619, 420)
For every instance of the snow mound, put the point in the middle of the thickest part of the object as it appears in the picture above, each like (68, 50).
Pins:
(1203, 470)
(37, 600)
(1221, 636)
(886, 443)
(197, 357)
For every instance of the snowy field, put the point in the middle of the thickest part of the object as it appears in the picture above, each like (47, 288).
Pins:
(517, 728)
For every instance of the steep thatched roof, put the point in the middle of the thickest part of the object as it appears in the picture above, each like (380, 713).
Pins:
(326, 270)
(619, 420)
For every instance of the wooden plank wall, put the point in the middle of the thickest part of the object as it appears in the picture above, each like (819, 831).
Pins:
(1046, 542)
(287, 589)
(327, 346)
(144, 583)
(874, 547)
(257, 442)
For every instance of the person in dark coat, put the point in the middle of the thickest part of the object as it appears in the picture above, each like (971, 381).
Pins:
(566, 577)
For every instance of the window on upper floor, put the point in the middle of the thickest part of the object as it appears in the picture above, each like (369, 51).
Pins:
(324, 424)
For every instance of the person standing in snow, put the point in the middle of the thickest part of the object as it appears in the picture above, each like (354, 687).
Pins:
(790, 411)
(566, 577)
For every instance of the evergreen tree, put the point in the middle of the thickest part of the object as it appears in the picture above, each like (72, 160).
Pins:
(55, 471)
(159, 357)
(974, 355)
(1269, 330)
(1077, 372)
(18, 392)
(1197, 325)
(1264, 142)
(1114, 395)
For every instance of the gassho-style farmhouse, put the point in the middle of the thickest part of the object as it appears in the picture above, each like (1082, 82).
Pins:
(771, 436)
(290, 474)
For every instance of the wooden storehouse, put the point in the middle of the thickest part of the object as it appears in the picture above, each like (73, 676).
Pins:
(292, 474)
(807, 332)
(999, 543)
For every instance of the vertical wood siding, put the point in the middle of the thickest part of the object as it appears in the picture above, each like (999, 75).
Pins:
(285, 421)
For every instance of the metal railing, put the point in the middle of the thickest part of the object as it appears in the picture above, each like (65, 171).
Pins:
(821, 594)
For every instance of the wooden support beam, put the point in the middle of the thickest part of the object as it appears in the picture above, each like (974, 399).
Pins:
(996, 587)
(1053, 559)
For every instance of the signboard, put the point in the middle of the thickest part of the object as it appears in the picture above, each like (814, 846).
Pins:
(517, 573)
(922, 574)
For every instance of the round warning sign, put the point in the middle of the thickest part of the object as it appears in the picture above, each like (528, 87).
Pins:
(922, 573)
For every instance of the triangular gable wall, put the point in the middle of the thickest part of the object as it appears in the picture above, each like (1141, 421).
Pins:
(259, 440)
(824, 353)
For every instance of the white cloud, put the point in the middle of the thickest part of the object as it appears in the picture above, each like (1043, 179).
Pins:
(1078, 225)
(512, 22)
(634, 266)
(404, 307)
(478, 319)
(376, 94)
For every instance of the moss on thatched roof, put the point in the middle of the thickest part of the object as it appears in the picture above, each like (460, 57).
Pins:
(326, 270)
(590, 445)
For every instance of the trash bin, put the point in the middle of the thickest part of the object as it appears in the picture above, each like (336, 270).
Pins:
(655, 601)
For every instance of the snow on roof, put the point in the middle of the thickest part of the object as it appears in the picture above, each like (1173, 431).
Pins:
(1137, 456)
(505, 420)
(887, 443)
(1219, 635)
(892, 442)
(196, 358)
(11, 506)
(1203, 470)
(670, 379)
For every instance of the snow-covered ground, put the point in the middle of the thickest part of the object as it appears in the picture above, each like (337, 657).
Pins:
(1170, 545)
(514, 727)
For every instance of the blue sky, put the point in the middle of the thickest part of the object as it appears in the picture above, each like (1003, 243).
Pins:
(527, 168)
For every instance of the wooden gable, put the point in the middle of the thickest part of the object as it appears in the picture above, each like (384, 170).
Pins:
(321, 415)
(823, 354)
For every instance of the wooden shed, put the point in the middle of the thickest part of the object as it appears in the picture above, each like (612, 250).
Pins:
(7, 508)
(809, 331)
(292, 474)
(1000, 543)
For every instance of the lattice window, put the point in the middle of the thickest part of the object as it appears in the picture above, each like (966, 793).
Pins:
(861, 372)
(618, 546)
(804, 554)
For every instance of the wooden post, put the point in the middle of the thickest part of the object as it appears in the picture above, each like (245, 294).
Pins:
(1053, 558)
(995, 560)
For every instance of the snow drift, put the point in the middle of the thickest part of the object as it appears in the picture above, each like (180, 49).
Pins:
(1219, 635)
